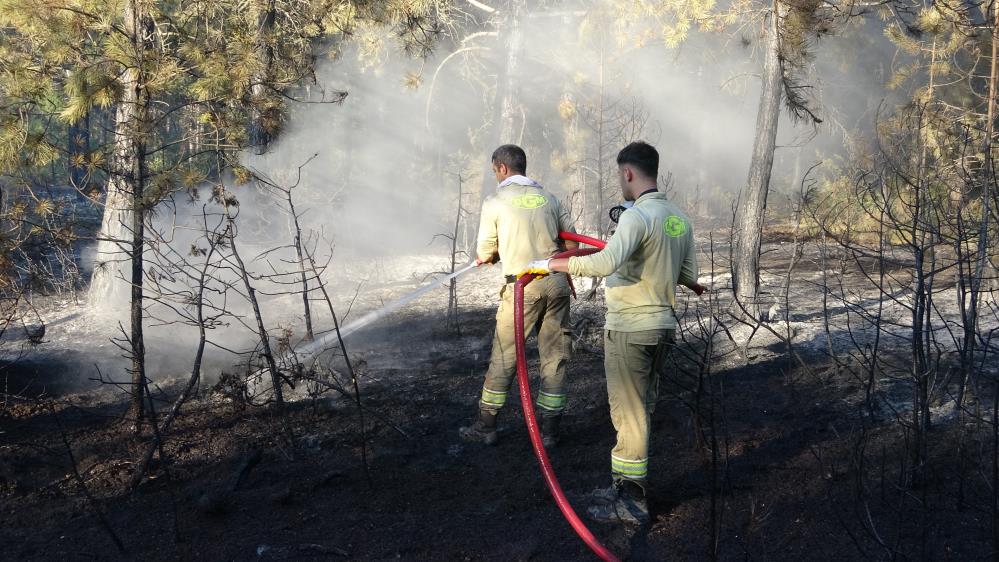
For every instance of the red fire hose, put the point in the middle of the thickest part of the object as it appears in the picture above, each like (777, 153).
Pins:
(573, 237)
(525, 401)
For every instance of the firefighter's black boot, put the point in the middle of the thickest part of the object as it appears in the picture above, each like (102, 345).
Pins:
(624, 502)
(482, 431)
(549, 430)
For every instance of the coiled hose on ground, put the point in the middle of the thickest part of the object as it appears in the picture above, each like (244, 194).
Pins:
(525, 400)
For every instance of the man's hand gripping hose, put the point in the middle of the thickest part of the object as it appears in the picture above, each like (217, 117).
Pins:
(525, 393)
(538, 267)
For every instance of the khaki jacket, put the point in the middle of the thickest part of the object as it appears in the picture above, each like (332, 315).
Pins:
(522, 223)
(650, 253)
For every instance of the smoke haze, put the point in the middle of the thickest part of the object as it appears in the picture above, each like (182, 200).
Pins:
(383, 183)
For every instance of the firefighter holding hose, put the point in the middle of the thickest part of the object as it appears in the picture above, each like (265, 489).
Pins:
(519, 222)
(650, 253)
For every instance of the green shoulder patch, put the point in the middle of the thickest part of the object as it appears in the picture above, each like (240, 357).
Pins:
(675, 226)
(529, 201)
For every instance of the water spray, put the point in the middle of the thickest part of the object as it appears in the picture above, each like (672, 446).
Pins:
(311, 349)
(308, 351)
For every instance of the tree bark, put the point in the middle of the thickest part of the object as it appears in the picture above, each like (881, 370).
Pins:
(753, 203)
(122, 227)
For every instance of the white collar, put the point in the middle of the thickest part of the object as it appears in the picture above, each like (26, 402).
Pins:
(519, 180)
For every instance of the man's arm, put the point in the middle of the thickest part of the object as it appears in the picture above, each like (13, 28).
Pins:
(688, 268)
(559, 264)
(487, 248)
(619, 248)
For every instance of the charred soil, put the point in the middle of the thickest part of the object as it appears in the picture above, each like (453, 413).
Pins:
(761, 463)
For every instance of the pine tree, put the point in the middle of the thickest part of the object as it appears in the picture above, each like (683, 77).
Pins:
(212, 70)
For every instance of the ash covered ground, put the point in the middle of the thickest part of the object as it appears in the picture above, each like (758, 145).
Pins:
(756, 440)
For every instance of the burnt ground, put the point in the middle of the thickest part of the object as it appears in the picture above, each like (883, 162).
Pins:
(769, 470)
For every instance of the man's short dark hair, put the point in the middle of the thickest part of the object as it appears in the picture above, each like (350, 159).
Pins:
(641, 155)
(513, 156)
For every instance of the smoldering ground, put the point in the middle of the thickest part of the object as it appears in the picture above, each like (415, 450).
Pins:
(383, 184)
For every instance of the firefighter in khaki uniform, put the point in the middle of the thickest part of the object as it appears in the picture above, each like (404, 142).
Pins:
(520, 222)
(651, 253)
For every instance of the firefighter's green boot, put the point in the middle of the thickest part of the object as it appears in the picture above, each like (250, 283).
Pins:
(482, 431)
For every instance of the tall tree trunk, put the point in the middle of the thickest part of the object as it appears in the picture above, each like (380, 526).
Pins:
(922, 233)
(259, 135)
(128, 147)
(508, 103)
(139, 33)
(507, 94)
(988, 181)
(125, 205)
(753, 203)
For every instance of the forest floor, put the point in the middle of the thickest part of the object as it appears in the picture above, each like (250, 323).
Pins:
(768, 470)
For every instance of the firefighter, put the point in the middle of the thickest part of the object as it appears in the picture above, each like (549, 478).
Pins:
(650, 253)
(519, 222)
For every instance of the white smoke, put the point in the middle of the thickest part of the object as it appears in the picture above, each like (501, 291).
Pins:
(379, 172)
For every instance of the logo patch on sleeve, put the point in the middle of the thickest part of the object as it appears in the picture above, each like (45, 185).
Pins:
(529, 201)
(675, 226)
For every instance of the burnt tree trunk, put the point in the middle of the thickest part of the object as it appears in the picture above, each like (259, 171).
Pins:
(251, 295)
(923, 232)
(303, 276)
(753, 202)
(451, 322)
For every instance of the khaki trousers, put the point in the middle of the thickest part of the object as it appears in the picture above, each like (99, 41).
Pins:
(634, 362)
(546, 311)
